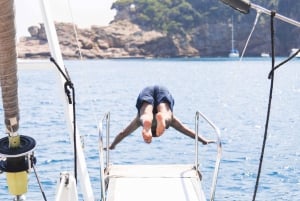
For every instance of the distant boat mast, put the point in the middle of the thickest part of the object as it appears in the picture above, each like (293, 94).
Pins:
(232, 34)
(234, 52)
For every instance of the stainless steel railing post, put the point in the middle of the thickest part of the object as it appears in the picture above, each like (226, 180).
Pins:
(196, 141)
(219, 151)
(103, 167)
(107, 138)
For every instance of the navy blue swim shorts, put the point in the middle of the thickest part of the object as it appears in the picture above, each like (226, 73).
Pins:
(155, 95)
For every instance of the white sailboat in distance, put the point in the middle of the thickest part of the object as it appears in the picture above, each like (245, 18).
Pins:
(234, 53)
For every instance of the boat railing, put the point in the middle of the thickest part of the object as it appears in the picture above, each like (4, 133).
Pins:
(219, 150)
(104, 164)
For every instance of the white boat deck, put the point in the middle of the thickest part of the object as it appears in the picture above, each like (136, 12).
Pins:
(154, 183)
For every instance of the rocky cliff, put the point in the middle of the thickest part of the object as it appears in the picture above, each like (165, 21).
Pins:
(121, 39)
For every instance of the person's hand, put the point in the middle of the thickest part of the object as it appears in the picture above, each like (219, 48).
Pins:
(209, 142)
(110, 147)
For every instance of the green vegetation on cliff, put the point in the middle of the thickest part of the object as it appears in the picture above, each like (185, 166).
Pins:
(181, 17)
(173, 16)
(170, 16)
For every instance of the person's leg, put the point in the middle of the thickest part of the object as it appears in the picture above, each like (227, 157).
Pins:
(146, 117)
(163, 117)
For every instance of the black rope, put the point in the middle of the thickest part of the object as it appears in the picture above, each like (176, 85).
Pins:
(285, 61)
(68, 85)
(37, 178)
(269, 107)
(59, 69)
(74, 134)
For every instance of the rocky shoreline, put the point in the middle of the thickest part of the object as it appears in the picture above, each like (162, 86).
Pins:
(123, 39)
(120, 39)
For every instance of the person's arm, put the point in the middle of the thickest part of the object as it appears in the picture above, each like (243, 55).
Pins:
(135, 123)
(176, 123)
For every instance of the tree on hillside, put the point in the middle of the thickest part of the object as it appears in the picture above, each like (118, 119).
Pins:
(184, 16)
(169, 16)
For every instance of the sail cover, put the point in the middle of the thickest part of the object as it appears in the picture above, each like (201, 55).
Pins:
(8, 66)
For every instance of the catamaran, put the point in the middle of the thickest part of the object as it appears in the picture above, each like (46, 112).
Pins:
(177, 182)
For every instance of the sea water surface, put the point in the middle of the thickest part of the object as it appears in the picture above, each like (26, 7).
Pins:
(233, 95)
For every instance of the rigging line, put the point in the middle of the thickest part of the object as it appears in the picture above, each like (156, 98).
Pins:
(269, 108)
(253, 27)
(39, 183)
(280, 64)
(68, 84)
(75, 30)
(59, 69)
(78, 46)
(74, 128)
(92, 105)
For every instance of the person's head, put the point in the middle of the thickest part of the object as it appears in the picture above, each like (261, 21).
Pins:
(153, 127)
(153, 131)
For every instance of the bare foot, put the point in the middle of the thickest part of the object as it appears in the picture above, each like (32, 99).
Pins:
(147, 134)
(161, 124)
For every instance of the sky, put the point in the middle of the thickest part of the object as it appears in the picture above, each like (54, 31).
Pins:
(84, 13)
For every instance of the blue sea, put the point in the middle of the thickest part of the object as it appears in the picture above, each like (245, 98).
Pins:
(232, 94)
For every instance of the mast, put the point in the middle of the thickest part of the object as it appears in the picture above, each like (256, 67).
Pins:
(8, 68)
(16, 150)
